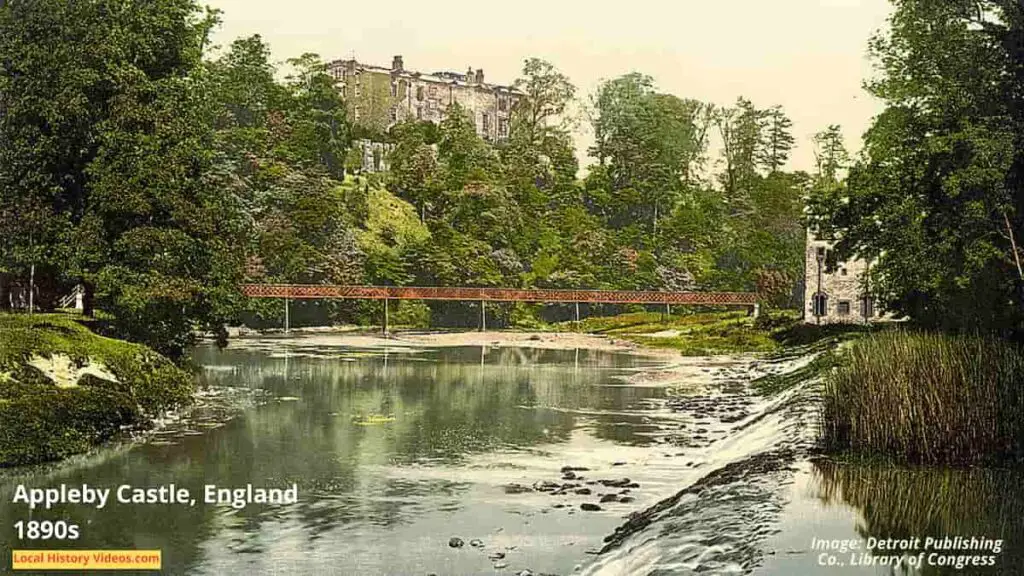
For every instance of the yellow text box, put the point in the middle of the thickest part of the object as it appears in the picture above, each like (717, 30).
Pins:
(86, 559)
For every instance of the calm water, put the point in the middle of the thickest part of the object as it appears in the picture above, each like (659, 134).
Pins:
(397, 450)
(831, 500)
(394, 452)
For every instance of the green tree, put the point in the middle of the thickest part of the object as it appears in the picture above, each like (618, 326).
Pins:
(778, 140)
(414, 169)
(830, 154)
(115, 142)
(741, 131)
(936, 198)
(317, 117)
(548, 94)
(646, 144)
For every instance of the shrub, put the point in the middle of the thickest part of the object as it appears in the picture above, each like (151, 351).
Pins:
(410, 314)
(40, 421)
(927, 398)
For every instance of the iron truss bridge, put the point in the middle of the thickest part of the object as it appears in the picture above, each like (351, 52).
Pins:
(307, 291)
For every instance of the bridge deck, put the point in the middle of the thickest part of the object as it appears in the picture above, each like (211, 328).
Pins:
(303, 291)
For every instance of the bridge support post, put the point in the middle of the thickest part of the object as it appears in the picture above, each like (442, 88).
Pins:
(32, 289)
(483, 315)
(385, 325)
(577, 311)
(756, 311)
(287, 320)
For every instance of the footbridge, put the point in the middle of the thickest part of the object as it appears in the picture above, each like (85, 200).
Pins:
(483, 295)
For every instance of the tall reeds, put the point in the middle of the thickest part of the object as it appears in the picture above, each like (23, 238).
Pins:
(927, 398)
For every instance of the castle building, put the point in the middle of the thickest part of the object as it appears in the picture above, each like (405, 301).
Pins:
(379, 97)
(839, 295)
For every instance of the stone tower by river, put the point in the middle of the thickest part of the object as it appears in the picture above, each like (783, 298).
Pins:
(835, 292)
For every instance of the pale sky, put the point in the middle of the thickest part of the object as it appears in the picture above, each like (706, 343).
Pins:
(807, 55)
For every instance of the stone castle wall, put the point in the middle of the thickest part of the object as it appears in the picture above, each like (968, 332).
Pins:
(379, 97)
(843, 288)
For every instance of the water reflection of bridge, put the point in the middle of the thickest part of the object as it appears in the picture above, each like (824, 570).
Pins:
(484, 295)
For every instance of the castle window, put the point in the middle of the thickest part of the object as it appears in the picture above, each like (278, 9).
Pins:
(502, 104)
(419, 93)
(486, 122)
(394, 90)
(419, 112)
(820, 304)
(394, 114)
(433, 91)
(844, 308)
(503, 128)
(842, 271)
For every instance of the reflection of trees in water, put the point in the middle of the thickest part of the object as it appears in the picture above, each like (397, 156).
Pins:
(898, 502)
(452, 406)
(179, 530)
(446, 406)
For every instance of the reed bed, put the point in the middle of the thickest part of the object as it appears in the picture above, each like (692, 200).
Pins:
(927, 398)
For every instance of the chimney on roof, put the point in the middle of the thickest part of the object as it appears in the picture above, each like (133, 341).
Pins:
(469, 74)
(480, 76)
(397, 65)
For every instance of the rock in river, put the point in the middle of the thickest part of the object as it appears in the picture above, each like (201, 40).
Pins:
(546, 486)
(455, 542)
(517, 489)
(476, 543)
(589, 507)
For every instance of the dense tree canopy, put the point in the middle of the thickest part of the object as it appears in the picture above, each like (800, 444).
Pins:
(936, 198)
(162, 174)
(106, 172)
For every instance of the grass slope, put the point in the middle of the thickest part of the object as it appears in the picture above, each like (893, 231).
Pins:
(692, 334)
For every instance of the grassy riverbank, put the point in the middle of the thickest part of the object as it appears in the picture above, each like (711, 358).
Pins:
(64, 389)
(927, 398)
(699, 334)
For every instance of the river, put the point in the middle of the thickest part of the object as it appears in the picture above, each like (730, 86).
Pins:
(400, 451)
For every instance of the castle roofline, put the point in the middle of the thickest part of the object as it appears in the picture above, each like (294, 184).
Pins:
(443, 77)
